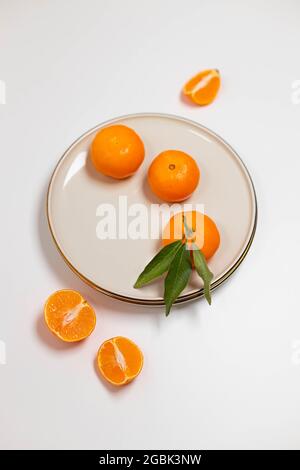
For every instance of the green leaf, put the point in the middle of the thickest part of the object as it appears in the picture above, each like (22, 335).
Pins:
(177, 277)
(159, 264)
(203, 271)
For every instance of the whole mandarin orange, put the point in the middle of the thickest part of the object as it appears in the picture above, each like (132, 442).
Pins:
(173, 175)
(117, 151)
(204, 234)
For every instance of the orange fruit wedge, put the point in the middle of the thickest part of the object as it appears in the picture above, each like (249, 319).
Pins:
(69, 316)
(203, 87)
(120, 360)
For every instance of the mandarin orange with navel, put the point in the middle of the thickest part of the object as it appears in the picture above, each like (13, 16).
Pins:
(173, 175)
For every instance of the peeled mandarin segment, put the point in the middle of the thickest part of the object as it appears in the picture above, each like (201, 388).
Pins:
(203, 87)
(119, 360)
(69, 316)
(206, 95)
(205, 232)
(191, 84)
(117, 151)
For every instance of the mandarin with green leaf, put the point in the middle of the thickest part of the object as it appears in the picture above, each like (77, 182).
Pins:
(203, 231)
(189, 239)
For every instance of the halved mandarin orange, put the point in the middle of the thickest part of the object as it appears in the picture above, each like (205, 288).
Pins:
(69, 316)
(120, 360)
(203, 87)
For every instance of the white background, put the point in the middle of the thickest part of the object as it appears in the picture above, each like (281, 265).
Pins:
(221, 377)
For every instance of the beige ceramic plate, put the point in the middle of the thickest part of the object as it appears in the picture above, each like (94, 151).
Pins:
(76, 192)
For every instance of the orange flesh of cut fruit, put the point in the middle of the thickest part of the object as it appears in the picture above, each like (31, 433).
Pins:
(203, 87)
(119, 360)
(69, 316)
